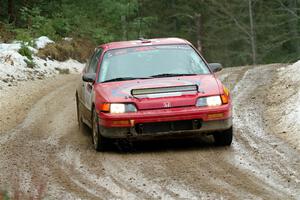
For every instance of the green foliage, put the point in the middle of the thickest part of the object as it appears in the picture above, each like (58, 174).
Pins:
(25, 51)
(223, 28)
(35, 24)
(24, 36)
(4, 195)
(48, 30)
(61, 26)
(32, 17)
(7, 33)
(101, 36)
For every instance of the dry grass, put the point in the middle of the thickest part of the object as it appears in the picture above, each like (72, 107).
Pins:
(6, 35)
(78, 49)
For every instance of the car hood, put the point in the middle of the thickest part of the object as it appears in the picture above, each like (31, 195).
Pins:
(122, 91)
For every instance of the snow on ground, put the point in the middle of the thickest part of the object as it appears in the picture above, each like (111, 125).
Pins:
(42, 41)
(14, 67)
(289, 108)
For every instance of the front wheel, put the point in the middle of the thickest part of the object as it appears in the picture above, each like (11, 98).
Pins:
(98, 140)
(223, 138)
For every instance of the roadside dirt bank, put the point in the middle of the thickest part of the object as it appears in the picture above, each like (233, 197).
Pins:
(16, 101)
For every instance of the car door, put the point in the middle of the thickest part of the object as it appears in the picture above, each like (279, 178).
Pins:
(88, 87)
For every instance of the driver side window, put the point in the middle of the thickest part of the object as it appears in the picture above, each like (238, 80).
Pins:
(94, 61)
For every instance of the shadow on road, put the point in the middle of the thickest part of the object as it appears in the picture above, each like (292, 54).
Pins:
(157, 145)
(178, 144)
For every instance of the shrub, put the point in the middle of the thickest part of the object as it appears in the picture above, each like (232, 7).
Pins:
(6, 32)
(61, 27)
(47, 29)
(25, 51)
(78, 49)
(32, 17)
(24, 36)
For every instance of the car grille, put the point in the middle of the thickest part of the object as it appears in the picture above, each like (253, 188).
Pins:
(161, 127)
(164, 91)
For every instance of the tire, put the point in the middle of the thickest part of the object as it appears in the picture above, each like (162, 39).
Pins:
(79, 117)
(100, 142)
(224, 138)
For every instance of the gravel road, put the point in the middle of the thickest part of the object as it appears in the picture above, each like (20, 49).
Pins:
(42, 151)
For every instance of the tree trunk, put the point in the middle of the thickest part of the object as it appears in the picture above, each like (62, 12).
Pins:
(252, 34)
(1, 9)
(124, 28)
(139, 12)
(11, 11)
(293, 26)
(198, 23)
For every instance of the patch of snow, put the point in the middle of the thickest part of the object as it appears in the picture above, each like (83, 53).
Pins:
(12, 58)
(14, 67)
(33, 50)
(10, 47)
(281, 69)
(42, 41)
(72, 65)
(289, 124)
(68, 39)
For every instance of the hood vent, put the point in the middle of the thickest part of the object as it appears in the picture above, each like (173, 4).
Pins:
(164, 91)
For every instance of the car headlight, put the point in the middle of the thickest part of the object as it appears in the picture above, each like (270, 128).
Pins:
(209, 101)
(118, 108)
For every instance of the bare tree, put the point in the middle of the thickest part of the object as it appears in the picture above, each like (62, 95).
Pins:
(246, 28)
(198, 23)
(292, 8)
(252, 34)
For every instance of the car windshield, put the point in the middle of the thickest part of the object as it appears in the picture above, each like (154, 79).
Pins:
(151, 61)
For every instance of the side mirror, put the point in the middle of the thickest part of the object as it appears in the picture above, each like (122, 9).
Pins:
(215, 67)
(89, 77)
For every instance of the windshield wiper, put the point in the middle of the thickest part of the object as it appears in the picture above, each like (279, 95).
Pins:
(171, 75)
(154, 76)
(125, 79)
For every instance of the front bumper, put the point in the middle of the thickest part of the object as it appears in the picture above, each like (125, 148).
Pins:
(206, 128)
(126, 125)
(165, 115)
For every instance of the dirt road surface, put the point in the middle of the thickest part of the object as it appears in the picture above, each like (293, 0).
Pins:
(42, 151)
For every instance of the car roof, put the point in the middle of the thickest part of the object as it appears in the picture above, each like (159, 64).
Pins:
(143, 42)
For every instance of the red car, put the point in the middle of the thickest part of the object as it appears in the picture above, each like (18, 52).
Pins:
(151, 88)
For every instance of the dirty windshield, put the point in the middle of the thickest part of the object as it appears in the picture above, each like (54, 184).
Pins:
(148, 61)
